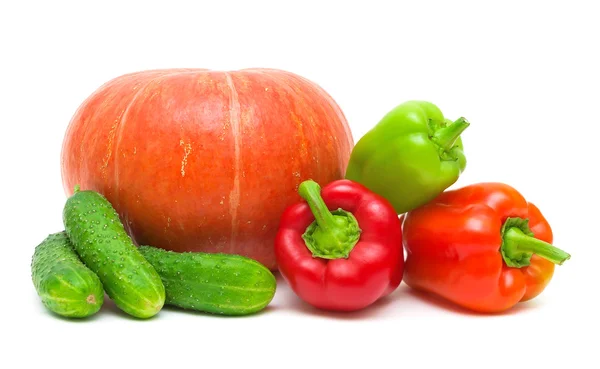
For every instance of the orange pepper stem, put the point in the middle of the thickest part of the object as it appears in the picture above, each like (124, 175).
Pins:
(519, 244)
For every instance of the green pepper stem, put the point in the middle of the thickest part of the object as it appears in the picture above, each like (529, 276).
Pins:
(446, 137)
(76, 188)
(332, 235)
(515, 242)
(311, 192)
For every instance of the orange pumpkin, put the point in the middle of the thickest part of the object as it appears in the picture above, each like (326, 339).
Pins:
(200, 160)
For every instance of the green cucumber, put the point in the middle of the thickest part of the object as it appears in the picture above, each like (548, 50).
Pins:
(211, 282)
(65, 285)
(100, 239)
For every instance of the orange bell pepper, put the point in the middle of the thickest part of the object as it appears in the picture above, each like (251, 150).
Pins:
(483, 247)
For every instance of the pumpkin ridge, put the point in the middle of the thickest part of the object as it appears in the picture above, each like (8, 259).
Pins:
(234, 195)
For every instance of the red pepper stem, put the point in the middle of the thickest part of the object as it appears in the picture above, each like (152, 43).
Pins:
(446, 137)
(515, 242)
(333, 234)
(311, 192)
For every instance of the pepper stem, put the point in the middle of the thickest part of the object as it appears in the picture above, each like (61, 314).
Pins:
(446, 137)
(519, 244)
(332, 235)
(311, 192)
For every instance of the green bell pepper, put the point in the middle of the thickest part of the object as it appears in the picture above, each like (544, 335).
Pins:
(411, 156)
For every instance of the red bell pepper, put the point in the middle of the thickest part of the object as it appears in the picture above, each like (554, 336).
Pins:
(341, 249)
(483, 246)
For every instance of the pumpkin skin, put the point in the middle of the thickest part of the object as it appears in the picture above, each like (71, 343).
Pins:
(200, 160)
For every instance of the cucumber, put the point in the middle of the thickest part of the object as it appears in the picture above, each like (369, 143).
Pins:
(100, 240)
(65, 285)
(213, 283)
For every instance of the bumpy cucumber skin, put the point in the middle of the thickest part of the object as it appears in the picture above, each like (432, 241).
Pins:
(213, 283)
(100, 239)
(66, 286)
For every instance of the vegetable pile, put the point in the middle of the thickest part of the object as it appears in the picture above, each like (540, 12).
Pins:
(337, 234)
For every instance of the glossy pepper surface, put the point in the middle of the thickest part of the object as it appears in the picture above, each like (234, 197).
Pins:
(482, 246)
(341, 249)
(411, 156)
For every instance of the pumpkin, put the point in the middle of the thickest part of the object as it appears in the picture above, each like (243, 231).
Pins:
(201, 160)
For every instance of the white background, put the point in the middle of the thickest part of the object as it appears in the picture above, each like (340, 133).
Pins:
(524, 73)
